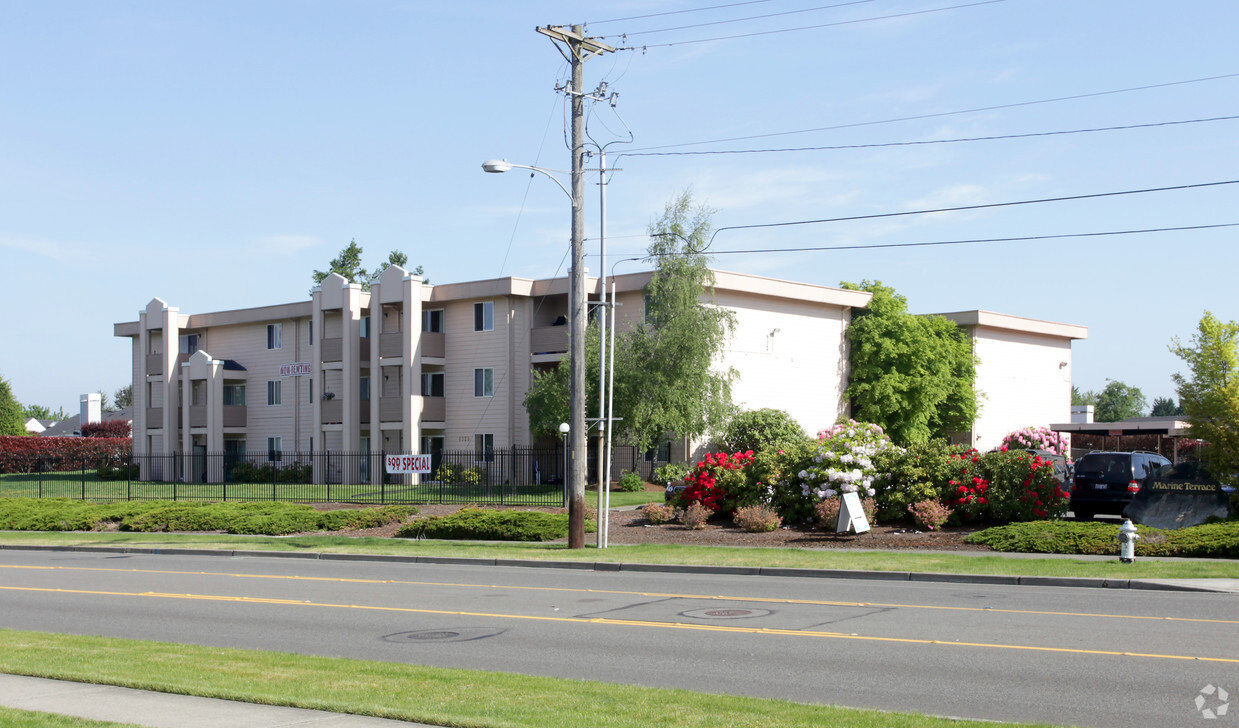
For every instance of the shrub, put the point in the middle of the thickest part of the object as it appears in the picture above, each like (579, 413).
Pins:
(1038, 438)
(1219, 539)
(485, 525)
(351, 519)
(1022, 487)
(631, 483)
(913, 474)
(827, 511)
(669, 472)
(456, 474)
(111, 428)
(694, 516)
(717, 482)
(758, 518)
(117, 472)
(658, 513)
(967, 491)
(55, 454)
(760, 430)
(178, 517)
(929, 514)
(772, 478)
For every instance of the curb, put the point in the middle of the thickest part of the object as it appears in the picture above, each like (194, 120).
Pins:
(773, 571)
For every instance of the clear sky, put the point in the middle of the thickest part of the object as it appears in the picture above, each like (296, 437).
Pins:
(214, 153)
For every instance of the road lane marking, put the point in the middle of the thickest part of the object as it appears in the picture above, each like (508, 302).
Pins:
(659, 595)
(622, 623)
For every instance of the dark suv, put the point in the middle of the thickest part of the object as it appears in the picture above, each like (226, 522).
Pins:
(1105, 482)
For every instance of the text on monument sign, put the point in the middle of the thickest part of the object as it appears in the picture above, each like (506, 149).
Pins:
(400, 464)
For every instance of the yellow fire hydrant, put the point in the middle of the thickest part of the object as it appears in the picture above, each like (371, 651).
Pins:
(1127, 542)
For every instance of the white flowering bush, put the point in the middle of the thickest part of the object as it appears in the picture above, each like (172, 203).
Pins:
(842, 461)
(1038, 438)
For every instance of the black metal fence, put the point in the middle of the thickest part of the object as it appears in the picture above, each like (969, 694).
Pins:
(516, 476)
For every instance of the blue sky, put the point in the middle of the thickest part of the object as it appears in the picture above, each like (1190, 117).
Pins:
(214, 154)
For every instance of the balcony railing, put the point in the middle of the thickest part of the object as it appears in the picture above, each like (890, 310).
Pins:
(389, 344)
(154, 417)
(434, 344)
(434, 409)
(198, 415)
(235, 415)
(548, 339)
(389, 409)
(333, 349)
(333, 411)
(154, 363)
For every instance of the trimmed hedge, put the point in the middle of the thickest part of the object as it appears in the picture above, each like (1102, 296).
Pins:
(484, 525)
(27, 454)
(1069, 537)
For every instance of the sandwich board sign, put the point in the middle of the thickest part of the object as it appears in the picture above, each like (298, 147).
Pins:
(851, 515)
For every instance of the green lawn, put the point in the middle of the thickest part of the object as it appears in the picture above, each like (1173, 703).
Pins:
(438, 696)
(11, 718)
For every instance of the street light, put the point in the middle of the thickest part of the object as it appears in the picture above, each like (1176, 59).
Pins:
(576, 346)
(563, 430)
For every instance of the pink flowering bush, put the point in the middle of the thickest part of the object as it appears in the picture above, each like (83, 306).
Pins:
(1038, 438)
(758, 518)
(929, 514)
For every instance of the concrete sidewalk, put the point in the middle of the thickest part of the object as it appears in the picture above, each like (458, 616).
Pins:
(165, 710)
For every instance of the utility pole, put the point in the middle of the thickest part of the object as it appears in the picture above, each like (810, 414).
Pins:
(577, 49)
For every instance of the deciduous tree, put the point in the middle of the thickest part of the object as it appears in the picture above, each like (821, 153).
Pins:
(1117, 402)
(1209, 394)
(11, 420)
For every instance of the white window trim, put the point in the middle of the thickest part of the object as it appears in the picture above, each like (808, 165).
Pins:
(486, 306)
(482, 384)
(274, 393)
(277, 339)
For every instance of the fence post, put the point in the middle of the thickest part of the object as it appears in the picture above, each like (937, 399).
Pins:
(382, 477)
(83, 477)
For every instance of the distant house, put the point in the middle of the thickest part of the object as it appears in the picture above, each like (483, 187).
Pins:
(91, 412)
(36, 426)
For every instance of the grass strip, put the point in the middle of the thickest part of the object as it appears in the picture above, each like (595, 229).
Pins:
(13, 718)
(858, 560)
(439, 696)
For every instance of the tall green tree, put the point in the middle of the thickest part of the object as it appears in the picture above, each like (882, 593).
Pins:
(913, 375)
(664, 379)
(1209, 395)
(1117, 402)
(39, 412)
(348, 264)
(11, 420)
(1079, 397)
(123, 397)
(1165, 407)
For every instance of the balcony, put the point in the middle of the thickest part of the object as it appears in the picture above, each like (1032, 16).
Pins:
(198, 415)
(154, 363)
(333, 349)
(154, 417)
(434, 409)
(390, 344)
(333, 411)
(389, 409)
(434, 344)
(548, 339)
(235, 415)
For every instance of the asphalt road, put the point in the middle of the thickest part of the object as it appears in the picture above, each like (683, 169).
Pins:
(1073, 656)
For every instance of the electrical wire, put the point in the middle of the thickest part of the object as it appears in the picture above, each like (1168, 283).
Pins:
(941, 113)
(934, 141)
(752, 17)
(677, 12)
(807, 27)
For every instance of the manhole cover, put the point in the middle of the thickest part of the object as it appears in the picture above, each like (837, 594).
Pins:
(432, 635)
(442, 635)
(725, 613)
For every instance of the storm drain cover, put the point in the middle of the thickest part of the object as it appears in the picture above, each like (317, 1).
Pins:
(442, 635)
(725, 613)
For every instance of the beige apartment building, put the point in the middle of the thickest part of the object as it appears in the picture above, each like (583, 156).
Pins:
(407, 367)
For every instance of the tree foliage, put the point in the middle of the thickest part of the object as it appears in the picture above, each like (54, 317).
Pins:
(664, 382)
(348, 264)
(1080, 398)
(123, 397)
(1209, 395)
(39, 412)
(11, 420)
(913, 375)
(1117, 402)
(760, 430)
(1165, 407)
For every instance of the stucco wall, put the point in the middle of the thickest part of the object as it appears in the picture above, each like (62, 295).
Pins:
(1023, 379)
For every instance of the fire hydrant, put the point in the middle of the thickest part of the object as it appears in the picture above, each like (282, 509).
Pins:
(1127, 542)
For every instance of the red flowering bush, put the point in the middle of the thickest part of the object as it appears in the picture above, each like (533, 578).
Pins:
(714, 480)
(967, 492)
(1024, 487)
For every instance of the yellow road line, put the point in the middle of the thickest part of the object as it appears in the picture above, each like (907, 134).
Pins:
(626, 623)
(661, 595)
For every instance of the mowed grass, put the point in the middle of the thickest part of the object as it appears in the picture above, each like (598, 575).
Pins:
(898, 561)
(12, 718)
(438, 696)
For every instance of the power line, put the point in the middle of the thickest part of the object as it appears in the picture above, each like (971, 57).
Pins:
(751, 17)
(875, 216)
(942, 113)
(809, 27)
(934, 141)
(677, 12)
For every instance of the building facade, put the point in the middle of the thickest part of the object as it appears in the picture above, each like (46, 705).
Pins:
(408, 367)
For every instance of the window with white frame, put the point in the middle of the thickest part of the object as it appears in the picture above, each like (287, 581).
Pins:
(234, 395)
(273, 336)
(432, 320)
(189, 343)
(365, 327)
(484, 448)
(364, 387)
(275, 447)
(484, 382)
(484, 316)
(273, 392)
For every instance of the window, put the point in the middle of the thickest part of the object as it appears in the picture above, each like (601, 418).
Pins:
(234, 394)
(189, 343)
(197, 393)
(275, 447)
(484, 448)
(432, 320)
(273, 336)
(365, 327)
(311, 322)
(484, 316)
(365, 387)
(273, 392)
(484, 382)
(432, 384)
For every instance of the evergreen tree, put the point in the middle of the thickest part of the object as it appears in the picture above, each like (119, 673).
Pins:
(11, 420)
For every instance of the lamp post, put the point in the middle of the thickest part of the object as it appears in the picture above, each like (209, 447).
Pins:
(563, 431)
(576, 342)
